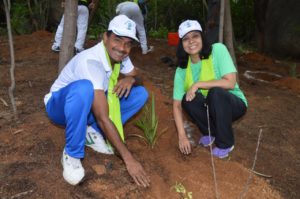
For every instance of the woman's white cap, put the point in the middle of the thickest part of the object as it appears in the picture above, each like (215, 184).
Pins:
(188, 26)
(122, 26)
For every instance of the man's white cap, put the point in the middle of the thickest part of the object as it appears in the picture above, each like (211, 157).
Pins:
(188, 26)
(122, 26)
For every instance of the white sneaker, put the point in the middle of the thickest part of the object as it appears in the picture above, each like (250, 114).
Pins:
(149, 49)
(73, 171)
(55, 48)
(96, 141)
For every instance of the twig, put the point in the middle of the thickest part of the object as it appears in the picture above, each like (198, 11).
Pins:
(7, 7)
(21, 194)
(3, 101)
(30, 84)
(211, 155)
(252, 169)
(18, 131)
(261, 174)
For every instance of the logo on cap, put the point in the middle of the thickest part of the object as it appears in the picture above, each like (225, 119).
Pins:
(129, 25)
(188, 24)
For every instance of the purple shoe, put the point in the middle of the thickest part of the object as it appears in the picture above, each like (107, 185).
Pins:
(206, 140)
(222, 153)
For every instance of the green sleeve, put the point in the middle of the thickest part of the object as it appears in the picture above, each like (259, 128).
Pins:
(222, 60)
(178, 89)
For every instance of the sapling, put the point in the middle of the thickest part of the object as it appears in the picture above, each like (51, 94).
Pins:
(148, 123)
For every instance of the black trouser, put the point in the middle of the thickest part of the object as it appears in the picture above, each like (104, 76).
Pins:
(224, 108)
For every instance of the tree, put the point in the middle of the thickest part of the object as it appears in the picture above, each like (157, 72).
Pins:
(69, 33)
(11, 89)
(93, 11)
(228, 31)
(260, 13)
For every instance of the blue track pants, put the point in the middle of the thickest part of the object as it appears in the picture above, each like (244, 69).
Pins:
(71, 107)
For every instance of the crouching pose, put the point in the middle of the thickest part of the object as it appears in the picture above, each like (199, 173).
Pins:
(205, 84)
(89, 92)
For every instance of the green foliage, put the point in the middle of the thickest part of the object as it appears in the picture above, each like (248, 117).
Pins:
(19, 18)
(39, 11)
(148, 123)
(170, 13)
(94, 31)
(161, 33)
(179, 188)
(29, 16)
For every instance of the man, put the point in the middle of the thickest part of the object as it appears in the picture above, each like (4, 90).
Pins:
(132, 11)
(82, 25)
(88, 92)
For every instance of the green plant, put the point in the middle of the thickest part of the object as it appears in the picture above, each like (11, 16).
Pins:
(161, 33)
(19, 18)
(179, 188)
(148, 123)
(94, 31)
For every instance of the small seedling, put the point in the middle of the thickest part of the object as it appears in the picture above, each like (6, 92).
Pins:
(148, 123)
(179, 188)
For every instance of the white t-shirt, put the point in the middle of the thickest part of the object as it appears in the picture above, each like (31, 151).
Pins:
(90, 64)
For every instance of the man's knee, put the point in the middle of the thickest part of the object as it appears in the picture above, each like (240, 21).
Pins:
(84, 90)
(141, 93)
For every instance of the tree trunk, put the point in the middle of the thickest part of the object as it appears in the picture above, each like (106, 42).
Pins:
(228, 31)
(69, 33)
(221, 27)
(93, 11)
(260, 12)
(212, 26)
(12, 58)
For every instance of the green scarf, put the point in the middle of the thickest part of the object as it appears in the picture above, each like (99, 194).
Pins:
(207, 73)
(113, 99)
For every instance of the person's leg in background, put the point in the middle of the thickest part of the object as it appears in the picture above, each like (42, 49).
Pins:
(58, 36)
(82, 26)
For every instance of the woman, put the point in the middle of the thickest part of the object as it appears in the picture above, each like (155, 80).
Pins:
(206, 79)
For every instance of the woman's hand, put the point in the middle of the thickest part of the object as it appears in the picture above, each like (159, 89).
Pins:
(184, 145)
(190, 95)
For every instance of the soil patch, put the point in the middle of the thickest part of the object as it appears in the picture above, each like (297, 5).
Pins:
(31, 148)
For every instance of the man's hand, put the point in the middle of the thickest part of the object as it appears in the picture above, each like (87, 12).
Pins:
(123, 86)
(101, 112)
(137, 172)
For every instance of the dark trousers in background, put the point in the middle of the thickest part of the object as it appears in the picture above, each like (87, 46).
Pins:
(224, 108)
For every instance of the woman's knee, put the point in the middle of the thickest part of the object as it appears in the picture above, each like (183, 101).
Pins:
(186, 105)
(216, 92)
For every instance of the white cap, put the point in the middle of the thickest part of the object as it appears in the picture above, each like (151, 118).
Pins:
(123, 26)
(188, 26)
